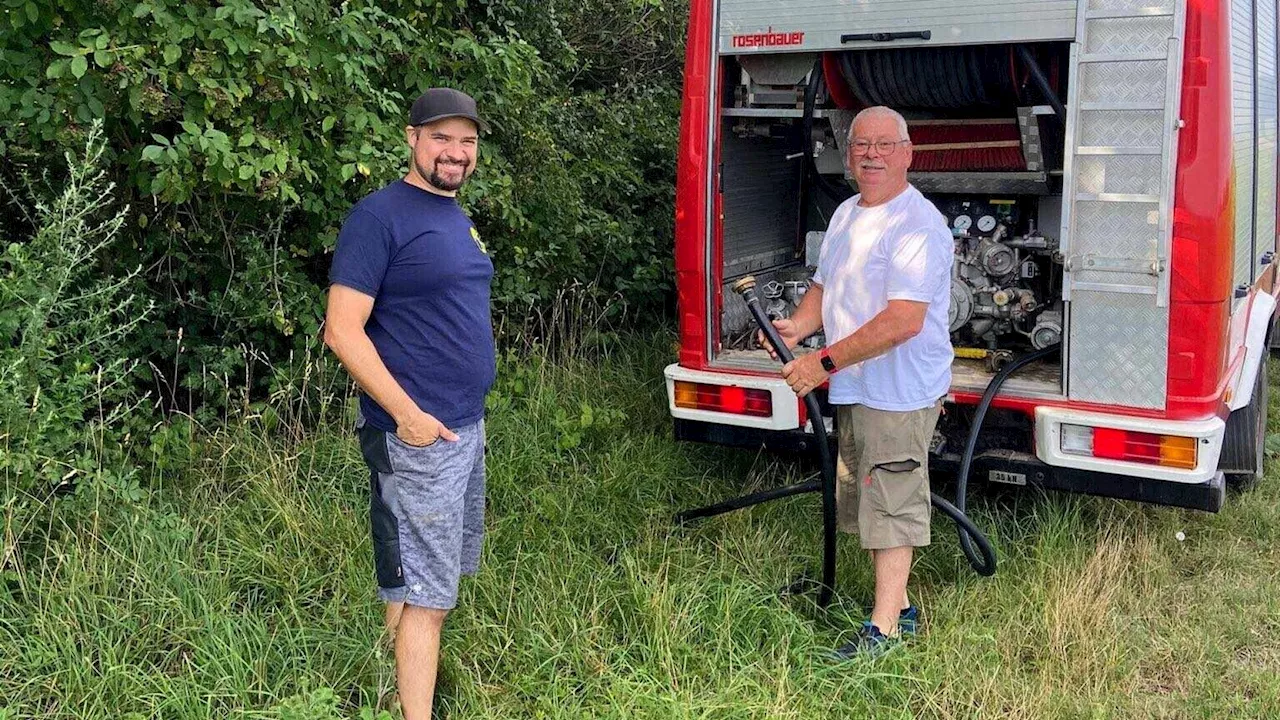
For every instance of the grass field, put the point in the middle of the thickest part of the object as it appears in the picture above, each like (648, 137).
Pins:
(242, 588)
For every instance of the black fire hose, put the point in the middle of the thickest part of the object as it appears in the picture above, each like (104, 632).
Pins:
(985, 565)
(809, 178)
(1042, 82)
(806, 154)
(982, 558)
(747, 288)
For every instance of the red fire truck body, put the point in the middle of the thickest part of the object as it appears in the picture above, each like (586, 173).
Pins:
(1109, 170)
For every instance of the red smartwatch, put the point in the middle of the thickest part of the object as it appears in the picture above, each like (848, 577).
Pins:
(827, 363)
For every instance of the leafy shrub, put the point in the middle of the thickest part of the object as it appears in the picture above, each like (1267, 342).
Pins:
(242, 132)
(67, 380)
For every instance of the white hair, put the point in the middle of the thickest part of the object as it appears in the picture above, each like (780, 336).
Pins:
(881, 110)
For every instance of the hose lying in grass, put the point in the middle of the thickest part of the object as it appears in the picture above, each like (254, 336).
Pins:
(982, 558)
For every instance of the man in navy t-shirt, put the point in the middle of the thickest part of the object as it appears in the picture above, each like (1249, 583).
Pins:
(408, 316)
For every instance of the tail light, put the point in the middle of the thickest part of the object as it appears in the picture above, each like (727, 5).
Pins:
(753, 402)
(1173, 451)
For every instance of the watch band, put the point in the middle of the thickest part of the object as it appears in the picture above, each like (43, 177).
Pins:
(827, 363)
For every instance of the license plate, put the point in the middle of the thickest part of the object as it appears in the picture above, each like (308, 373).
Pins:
(1007, 478)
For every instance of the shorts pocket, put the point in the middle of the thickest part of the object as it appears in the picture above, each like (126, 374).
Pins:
(894, 484)
(392, 437)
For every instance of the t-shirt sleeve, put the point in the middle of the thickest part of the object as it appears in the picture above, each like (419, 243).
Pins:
(363, 253)
(919, 266)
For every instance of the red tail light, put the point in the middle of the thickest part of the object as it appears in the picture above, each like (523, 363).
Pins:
(752, 402)
(1131, 445)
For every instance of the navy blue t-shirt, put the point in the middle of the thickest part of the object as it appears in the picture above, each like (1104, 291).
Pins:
(421, 260)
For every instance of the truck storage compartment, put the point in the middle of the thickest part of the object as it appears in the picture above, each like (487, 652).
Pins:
(987, 125)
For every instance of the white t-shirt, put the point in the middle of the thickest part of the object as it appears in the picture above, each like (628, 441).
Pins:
(901, 250)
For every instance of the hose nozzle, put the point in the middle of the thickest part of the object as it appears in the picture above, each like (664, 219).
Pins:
(742, 286)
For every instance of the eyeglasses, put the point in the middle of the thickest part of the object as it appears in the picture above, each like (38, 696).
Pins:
(884, 147)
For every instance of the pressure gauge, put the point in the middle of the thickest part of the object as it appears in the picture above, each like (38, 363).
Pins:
(962, 222)
(986, 223)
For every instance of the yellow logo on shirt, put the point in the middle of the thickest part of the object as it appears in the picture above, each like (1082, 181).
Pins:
(475, 235)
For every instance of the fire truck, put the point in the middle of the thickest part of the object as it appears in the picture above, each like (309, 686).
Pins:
(1108, 169)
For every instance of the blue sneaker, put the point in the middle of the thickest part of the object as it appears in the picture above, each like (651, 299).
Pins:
(869, 642)
(908, 619)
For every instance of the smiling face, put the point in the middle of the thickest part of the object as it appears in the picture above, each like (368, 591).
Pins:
(444, 154)
(879, 155)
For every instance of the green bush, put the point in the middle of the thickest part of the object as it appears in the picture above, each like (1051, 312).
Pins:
(67, 380)
(242, 132)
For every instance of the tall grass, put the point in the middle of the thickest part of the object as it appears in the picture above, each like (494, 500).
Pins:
(241, 586)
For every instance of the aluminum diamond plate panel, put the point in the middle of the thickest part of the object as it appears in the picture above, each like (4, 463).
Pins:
(1119, 350)
(1135, 174)
(1129, 35)
(1122, 128)
(1133, 6)
(1120, 230)
(1123, 82)
(1119, 185)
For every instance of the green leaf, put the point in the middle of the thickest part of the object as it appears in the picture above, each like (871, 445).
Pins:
(33, 11)
(246, 140)
(328, 124)
(79, 66)
(56, 69)
(104, 58)
(152, 152)
(63, 48)
(246, 172)
(1272, 444)
(171, 54)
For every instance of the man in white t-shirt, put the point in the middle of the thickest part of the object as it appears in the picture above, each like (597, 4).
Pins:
(881, 292)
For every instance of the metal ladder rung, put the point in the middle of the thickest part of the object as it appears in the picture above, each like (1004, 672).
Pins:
(1127, 57)
(1118, 198)
(1122, 106)
(1117, 150)
(1127, 14)
(1111, 288)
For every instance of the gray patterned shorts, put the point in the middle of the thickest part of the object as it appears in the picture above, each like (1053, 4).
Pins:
(426, 513)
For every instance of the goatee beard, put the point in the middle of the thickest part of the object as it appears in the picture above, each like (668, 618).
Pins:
(440, 183)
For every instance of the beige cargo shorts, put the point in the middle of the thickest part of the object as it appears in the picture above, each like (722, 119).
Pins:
(882, 475)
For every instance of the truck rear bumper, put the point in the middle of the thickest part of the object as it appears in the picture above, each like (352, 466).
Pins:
(1141, 452)
(999, 466)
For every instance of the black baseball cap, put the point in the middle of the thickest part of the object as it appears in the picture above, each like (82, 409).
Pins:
(440, 103)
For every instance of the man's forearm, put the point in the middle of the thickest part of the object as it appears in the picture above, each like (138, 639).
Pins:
(361, 359)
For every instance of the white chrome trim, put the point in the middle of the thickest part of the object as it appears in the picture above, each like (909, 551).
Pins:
(1049, 421)
(786, 410)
